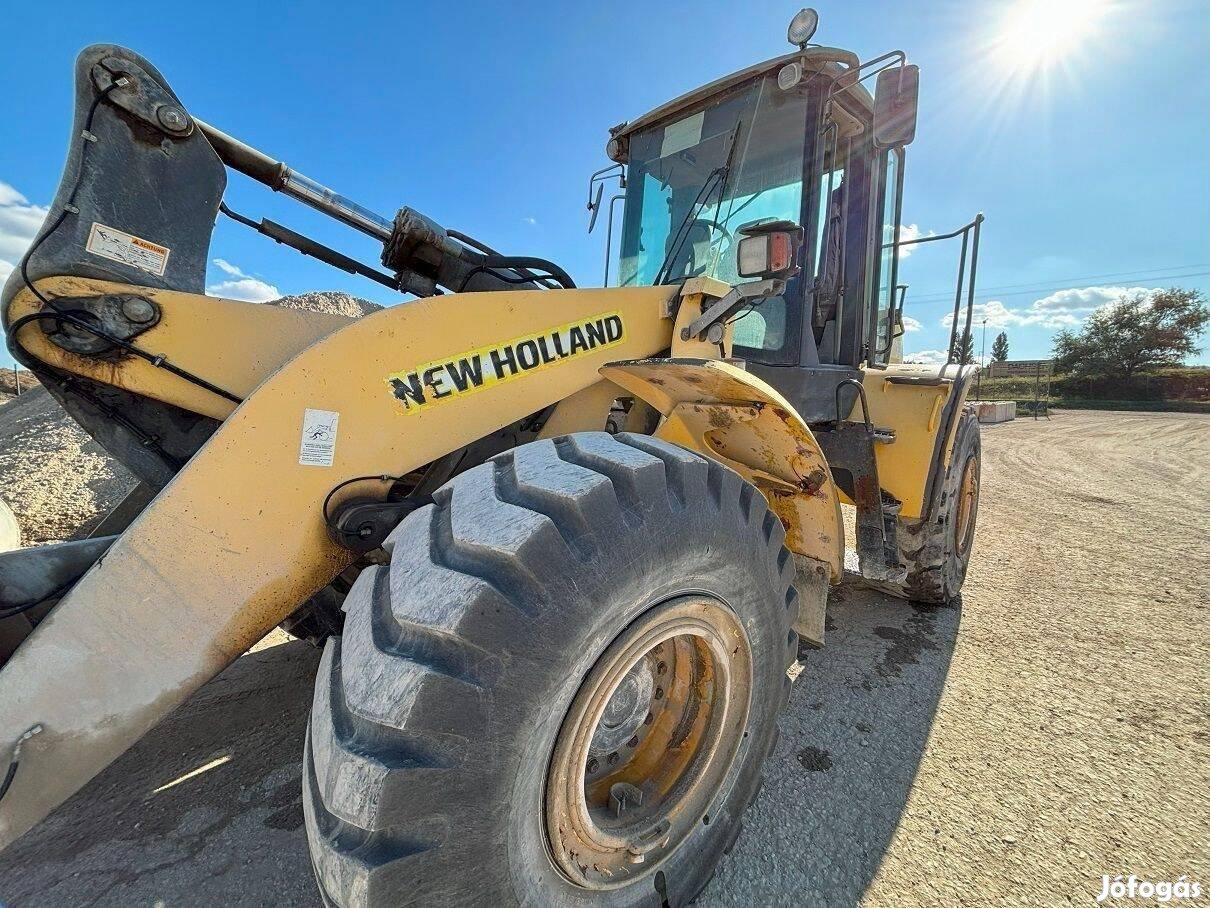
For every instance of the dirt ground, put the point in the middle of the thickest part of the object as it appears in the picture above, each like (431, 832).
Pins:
(1006, 750)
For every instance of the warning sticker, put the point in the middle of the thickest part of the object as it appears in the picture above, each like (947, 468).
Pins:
(318, 444)
(129, 250)
(475, 370)
(682, 134)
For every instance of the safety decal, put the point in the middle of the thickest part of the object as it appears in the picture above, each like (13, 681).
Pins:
(110, 243)
(317, 447)
(475, 370)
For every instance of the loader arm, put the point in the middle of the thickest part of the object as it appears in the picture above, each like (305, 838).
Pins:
(238, 538)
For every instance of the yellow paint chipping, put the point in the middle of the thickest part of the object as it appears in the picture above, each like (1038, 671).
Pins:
(735, 418)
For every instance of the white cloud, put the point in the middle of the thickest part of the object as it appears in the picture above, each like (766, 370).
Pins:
(248, 289)
(911, 324)
(925, 357)
(1082, 299)
(226, 266)
(911, 232)
(19, 223)
(1061, 309)
(1000, 316)
(937, 358)
(242, 286)
(532, 222)
(10, 196)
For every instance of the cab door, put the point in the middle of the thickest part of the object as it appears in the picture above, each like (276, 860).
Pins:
(841, 186)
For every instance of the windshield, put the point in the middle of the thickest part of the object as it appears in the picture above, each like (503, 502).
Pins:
(695, 181)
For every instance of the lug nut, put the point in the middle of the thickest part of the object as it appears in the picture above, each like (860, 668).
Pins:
(612, 759)
(593, 765)
(659, 693)
(662, 668)
(649, 719)
(633, 742)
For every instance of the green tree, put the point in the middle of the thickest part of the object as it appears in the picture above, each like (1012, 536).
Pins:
(963, 351)
(1138, 332)
(1000, 347)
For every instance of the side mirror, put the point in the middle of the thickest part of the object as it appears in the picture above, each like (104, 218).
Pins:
(595, 207)
(896, 314)
(895, 100)
(769, 250)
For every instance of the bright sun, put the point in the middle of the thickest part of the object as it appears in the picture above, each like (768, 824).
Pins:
(1034, 35)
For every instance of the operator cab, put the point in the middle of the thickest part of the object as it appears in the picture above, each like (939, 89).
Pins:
(792, 139)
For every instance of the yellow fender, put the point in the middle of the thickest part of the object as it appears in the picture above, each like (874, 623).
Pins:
(718, 409)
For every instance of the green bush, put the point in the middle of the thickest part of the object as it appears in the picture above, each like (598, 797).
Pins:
(1190, 384)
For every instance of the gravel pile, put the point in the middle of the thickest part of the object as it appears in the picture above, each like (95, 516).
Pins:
(332, 302)
(57, 480)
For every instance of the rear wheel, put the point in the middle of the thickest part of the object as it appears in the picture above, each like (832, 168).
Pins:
(937, 551)
(562, 689)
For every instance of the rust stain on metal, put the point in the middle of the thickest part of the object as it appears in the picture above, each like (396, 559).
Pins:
(814, 481)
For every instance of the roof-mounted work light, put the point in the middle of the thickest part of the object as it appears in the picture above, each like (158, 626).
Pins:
(802, 27)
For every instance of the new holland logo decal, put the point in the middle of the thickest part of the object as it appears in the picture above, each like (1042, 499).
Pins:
(487, 366)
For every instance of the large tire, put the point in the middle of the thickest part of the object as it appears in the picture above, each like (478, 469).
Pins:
(437, 711)
(937, 551)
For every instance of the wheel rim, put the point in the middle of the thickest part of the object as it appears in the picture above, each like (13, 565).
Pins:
(647, 743)
(968, 501)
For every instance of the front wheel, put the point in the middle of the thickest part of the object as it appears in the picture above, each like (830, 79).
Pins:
(562, 689)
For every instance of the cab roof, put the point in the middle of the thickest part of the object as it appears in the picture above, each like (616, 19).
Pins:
(814, 59)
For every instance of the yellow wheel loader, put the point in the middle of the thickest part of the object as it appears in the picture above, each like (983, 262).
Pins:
(560, 544)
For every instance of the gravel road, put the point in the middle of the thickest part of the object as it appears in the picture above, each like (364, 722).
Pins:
(1006, 750)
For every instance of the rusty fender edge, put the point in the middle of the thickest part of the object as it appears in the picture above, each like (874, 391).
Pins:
(735, 418)
(237, 539)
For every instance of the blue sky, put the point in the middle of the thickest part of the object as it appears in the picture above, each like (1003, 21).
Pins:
(1086, 151)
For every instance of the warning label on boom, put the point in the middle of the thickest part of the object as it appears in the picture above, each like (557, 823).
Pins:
(128, 249)
(487, 366)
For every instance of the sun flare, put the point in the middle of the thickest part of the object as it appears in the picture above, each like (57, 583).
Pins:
(1035, 35)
